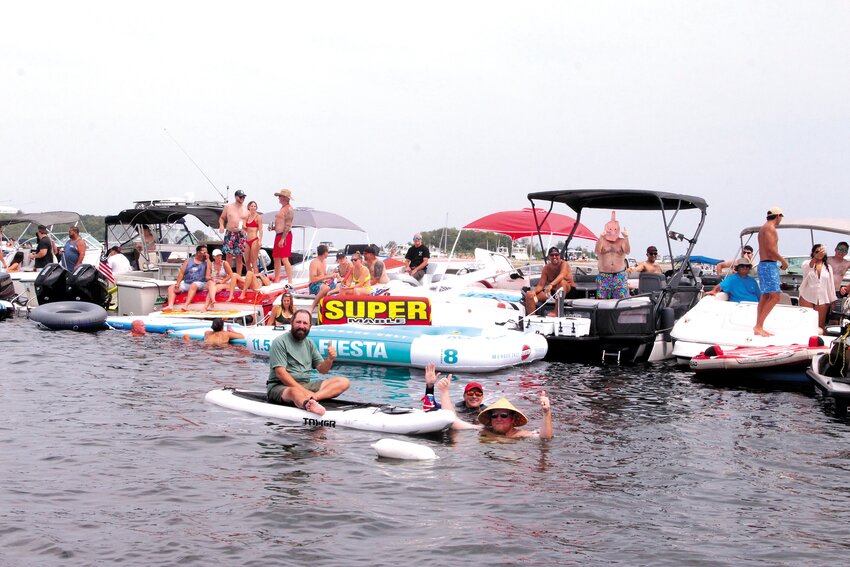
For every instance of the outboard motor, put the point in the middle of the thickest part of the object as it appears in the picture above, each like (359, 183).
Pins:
(89, 285)
(7, 289)
(50, 284)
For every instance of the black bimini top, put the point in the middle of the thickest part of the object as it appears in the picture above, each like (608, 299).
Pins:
(620, 199)
(208, 215)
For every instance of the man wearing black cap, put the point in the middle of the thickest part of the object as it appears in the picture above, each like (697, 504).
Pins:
(557, 275)
(232, 220)
(44, 250)
(650, 265)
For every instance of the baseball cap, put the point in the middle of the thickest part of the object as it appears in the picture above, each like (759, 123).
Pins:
(775, 211)
(652, 250)
(554, 250)
(340, 255)
(216, 252)
(472, 386)
(240, 193)
(743, 262)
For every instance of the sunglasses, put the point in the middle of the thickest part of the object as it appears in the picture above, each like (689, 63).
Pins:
(476, 393)
(652, 253)
(500, 414)
(417, 239)
(841, 249)
(355, 259)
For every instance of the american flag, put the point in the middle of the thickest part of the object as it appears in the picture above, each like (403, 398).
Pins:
(104, 269)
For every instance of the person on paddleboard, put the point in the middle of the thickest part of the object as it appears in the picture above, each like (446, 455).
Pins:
(292, 359)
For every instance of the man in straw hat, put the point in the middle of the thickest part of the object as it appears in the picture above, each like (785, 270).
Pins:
(282, 227)
(500, 419)
(770, 263)
(740, 286)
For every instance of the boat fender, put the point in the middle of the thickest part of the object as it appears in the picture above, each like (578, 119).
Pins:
(405, 450)
(713, 351)
(70, 315)
(815, 342)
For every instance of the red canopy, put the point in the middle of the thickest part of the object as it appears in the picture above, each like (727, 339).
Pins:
(518, 224)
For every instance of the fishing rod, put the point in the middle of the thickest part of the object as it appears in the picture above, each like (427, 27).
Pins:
(193, 163)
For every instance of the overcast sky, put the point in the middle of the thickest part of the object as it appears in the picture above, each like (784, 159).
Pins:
(396, 114)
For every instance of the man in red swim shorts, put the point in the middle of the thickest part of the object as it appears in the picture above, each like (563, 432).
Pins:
(282, 227)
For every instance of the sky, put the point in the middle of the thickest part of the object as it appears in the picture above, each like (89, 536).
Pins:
(409, 116)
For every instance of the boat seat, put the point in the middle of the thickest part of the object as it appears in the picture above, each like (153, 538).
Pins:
(610, 303)
(649, 282)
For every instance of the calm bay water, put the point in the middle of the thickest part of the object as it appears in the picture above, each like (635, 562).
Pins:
(109, 455)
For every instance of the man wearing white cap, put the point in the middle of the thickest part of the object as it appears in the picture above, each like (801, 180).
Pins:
(282, 227)
(769, 266)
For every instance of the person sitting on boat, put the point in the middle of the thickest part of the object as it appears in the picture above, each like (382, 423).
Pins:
(721, 267)
(839, 265)
(417, 258)
(500, 419)
(556, 276)
(44, 251)
(292, 358)
(192, 278)
(817, 290)
(221, 274)
(650, 265)
(118, 262)
(230, 222)
(357, 280)
(252, 281)
(218, 335)
(283, 311)
(612, 247)
(468, 408)
(74, 250)
(343, 265)
(739, 286)
(379, 278)
(15, 265)
(320, 281)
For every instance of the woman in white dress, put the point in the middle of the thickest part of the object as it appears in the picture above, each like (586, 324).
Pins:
(817, 290)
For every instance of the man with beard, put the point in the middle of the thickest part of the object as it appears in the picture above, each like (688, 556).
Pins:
(292, 359)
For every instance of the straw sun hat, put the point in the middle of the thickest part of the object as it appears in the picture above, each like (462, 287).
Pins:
(519, 420)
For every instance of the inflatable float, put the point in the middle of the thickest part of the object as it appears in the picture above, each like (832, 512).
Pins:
(353, 415)
(70, 316)
(785, 362)
(162, 321)
(452, 349)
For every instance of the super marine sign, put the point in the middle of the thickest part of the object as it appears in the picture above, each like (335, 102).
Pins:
(370, 310)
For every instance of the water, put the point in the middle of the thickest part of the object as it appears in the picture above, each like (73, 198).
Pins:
(111, 456)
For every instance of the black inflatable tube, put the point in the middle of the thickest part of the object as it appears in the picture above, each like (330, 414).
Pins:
(70, 316)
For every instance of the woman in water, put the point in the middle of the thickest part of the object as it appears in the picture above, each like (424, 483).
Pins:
(283, 312)
(254, 236)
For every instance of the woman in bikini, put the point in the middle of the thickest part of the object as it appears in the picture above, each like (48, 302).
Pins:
(357, 280)
(254, 235)
(221, 274)
(251, 281)
(283, 312)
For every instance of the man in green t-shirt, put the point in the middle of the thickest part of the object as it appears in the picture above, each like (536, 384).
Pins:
(292, 358)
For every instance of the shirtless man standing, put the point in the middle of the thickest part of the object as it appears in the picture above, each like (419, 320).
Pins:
(769, 266)
(282, 227)
(611, 251)
(232, 221)
(556, 275)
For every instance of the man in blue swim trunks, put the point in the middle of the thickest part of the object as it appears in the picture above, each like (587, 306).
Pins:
(320, 281)
(771, 263)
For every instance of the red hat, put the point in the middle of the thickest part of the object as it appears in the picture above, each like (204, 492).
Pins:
(473, 386)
